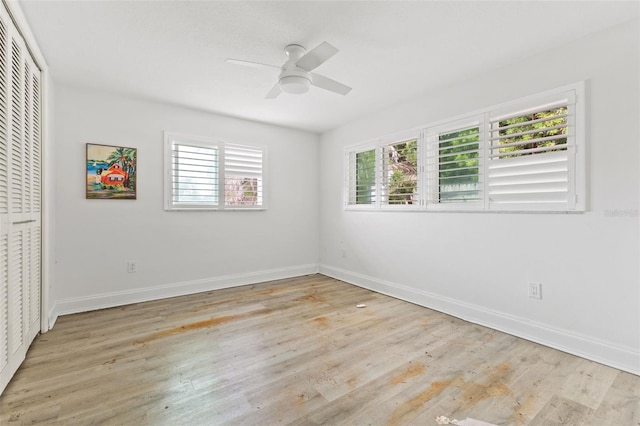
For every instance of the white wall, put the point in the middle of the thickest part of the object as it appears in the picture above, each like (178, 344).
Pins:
(476, 265)
(177, 252)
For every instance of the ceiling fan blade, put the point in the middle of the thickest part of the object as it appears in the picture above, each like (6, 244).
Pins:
(328, 84)
(316, 57)
(274, 92)
(249, 63)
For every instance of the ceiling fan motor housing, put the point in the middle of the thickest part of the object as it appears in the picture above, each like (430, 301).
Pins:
(294, 79)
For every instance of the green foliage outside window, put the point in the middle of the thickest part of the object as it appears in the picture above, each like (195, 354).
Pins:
(365, 176)
(534, 132)
(402, 172)
(459, 165)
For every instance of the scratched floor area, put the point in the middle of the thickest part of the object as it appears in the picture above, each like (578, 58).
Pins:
(299, 352)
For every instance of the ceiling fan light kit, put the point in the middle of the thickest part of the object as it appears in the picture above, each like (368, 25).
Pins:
(296, 76)
(294, 84)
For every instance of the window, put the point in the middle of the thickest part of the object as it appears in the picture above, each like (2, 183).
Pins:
(532, 158)
(520, 156)
(400, 173)
(194, 178)
(206, 174)
(454, 163)
(242, 176)
(362, 178)
(384, 175)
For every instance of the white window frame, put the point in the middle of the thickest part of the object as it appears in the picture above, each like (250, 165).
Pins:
(199, 141)
(428, 170)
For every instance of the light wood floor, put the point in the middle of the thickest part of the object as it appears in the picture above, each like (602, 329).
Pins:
(299, 352)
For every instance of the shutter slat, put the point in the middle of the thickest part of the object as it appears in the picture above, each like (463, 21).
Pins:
(524, 123)
(532, 187)
(530, 142)
(559, 198)
(526, 132)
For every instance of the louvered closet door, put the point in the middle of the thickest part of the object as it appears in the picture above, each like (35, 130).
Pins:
(20, 196)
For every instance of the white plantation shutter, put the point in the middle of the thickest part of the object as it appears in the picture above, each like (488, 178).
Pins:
(526, 155)
(531, 159)
(205, 174)
(454, 163)
(362, 177)
(20, 197)
(400, 184)
(243, 176)
(194, 174)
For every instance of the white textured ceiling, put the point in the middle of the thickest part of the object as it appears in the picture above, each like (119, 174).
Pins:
(390, 51)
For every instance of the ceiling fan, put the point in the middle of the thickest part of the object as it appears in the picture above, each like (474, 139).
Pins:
(295, 75)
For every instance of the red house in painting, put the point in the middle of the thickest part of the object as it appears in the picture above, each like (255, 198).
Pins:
(114, 175)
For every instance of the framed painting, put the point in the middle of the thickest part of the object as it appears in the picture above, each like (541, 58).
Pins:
(111, 172)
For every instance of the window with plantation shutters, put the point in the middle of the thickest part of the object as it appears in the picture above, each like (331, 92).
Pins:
(242, 176)
(531, 158)
(400, 173)
(362, 178)
(194, 174)
(205, 174)
(526, 155)
(454, 163)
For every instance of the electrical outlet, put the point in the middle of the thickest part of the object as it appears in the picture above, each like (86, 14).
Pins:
(132, 267)
(535, 290)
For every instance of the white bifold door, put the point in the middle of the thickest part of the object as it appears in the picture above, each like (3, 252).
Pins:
(20, 198)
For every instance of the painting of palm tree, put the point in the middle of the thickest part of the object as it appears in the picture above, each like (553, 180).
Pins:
(111, 172)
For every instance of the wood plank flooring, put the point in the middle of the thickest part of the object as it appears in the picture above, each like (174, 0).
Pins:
(299, 352)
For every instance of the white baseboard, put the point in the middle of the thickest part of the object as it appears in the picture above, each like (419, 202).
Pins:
(607, 353)
(53, 316)
(109, 300)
